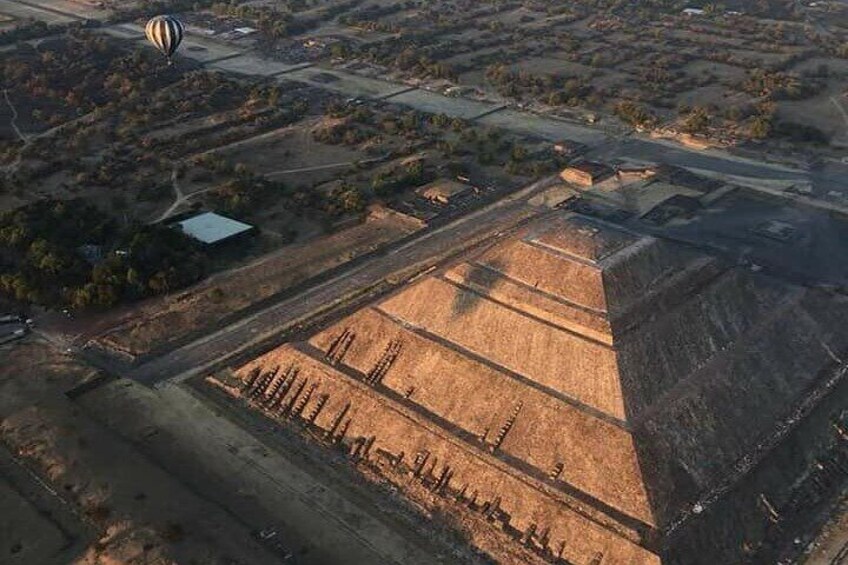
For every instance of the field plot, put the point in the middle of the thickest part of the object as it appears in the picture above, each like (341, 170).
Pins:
(291, 155)
(438, 104)
(827, 112)
(22, 12)
(249, 64)
(712, 95)
(723, 73)
(205, 50)
(80, 9)
(543, 127)
(161, 323)
(555, 65)
(344, 83)
(124, 31)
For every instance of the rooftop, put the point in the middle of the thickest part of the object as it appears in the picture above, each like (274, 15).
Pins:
(210, 227)
(443, 189)
(591, 168)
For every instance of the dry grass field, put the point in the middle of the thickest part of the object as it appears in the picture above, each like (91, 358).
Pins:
(293, 156)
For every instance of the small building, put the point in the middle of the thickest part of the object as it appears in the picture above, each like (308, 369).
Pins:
(586, 173)
(443, 191)
(210, 228)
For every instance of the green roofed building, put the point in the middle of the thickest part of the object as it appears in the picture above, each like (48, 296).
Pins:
(210, 228)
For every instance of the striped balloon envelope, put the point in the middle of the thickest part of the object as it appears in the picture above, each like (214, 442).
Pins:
(166, 33)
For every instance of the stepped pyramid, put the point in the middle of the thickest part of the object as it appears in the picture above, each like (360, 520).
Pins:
(632, 398)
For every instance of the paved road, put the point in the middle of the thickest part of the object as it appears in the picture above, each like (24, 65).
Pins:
(430, 248)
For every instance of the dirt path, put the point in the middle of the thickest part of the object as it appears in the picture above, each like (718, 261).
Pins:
(841, 109)
(28, 139)
(180, 197)
(14, 121)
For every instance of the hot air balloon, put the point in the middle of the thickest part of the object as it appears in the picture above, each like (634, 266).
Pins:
(166, 33)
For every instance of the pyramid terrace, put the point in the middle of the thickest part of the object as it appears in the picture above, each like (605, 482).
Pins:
(593, 394)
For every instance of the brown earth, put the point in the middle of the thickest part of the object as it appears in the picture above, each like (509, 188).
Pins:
(137, 513)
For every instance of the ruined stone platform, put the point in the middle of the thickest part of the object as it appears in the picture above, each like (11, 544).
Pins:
(610, 396)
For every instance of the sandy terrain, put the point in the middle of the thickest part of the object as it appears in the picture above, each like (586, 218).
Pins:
(138, 512)
(831, 547)
(321, 520)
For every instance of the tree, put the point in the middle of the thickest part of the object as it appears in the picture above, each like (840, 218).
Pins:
(761, 127)
(697, 120)
(345, 198)
(519, 153)
(634, 114)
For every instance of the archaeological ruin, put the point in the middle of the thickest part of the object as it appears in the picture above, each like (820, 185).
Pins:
(590, 394)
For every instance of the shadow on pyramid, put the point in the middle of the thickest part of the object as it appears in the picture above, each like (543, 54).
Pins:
(607, 395)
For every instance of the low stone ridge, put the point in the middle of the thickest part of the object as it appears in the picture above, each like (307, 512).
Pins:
(585, 387)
